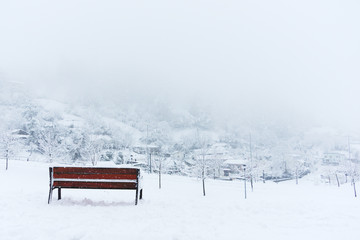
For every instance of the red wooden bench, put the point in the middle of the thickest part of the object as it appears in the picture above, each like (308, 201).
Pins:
(94, 178)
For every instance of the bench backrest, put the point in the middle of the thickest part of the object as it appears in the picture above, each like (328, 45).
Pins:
(95, 178)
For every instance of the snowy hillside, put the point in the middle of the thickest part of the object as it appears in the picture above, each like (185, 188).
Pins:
(81, 133)
(247, 110)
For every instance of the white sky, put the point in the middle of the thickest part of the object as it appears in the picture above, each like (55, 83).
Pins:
(272, 58)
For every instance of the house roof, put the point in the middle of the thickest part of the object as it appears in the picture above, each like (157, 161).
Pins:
(235, 162)
(20, 132)
(336, 153)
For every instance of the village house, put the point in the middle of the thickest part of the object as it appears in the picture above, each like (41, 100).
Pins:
(233, 168)
(333, 158)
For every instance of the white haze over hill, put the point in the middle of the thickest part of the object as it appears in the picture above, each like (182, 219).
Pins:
(232, 94)
(255, 61)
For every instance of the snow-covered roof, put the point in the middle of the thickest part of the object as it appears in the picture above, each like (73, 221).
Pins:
(19, 132)
(144, 146)
(235, 162)
(355, 147)
(335, 153)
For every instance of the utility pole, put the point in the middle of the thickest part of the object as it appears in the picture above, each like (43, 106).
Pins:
(160, 173)
(349, 148)
(147, 147)
(245, 180)
(251, 166)
(203, 172)
(352, 172)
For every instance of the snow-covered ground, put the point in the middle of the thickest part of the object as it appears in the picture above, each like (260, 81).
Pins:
(177, 211)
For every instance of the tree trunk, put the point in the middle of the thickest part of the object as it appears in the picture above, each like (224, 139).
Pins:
(150, 163)
(245, 182)
(251, 183)
(297, 177)
(203, 180)
(28, 158)
(354, 187)
(263, 176)
(7, 159)
(160, 175)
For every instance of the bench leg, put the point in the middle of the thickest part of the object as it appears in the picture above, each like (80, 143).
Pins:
(141, 194)
(136, 196)
(50, 195)
(59, 193)
(50, 185)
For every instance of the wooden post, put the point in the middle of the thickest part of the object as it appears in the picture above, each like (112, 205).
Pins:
(354, 187)
(203, 179)
(337, 179)
(7, 159)
(150, 162)
(263, 176)
(251, 183)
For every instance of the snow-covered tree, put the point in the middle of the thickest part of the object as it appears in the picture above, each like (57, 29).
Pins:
(50, 142)
(202, 162)
(7, 143)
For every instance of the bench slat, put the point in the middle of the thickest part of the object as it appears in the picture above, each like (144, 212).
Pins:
(95, 185)
(94, 176)
(88, 170)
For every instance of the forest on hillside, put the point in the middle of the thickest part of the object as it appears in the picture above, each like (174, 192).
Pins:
(183, 140)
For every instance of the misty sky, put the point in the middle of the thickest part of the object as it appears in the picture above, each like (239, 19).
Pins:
(271, 58)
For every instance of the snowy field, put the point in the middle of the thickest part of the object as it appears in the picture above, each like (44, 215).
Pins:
(177, 211)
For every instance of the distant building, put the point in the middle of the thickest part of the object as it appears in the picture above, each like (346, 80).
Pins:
(178, 155)
(152, 149)
(333, 158)
(233, 167)
(20, 134)
(355, 152)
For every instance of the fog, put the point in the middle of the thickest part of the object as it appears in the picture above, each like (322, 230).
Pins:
(295, 60)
